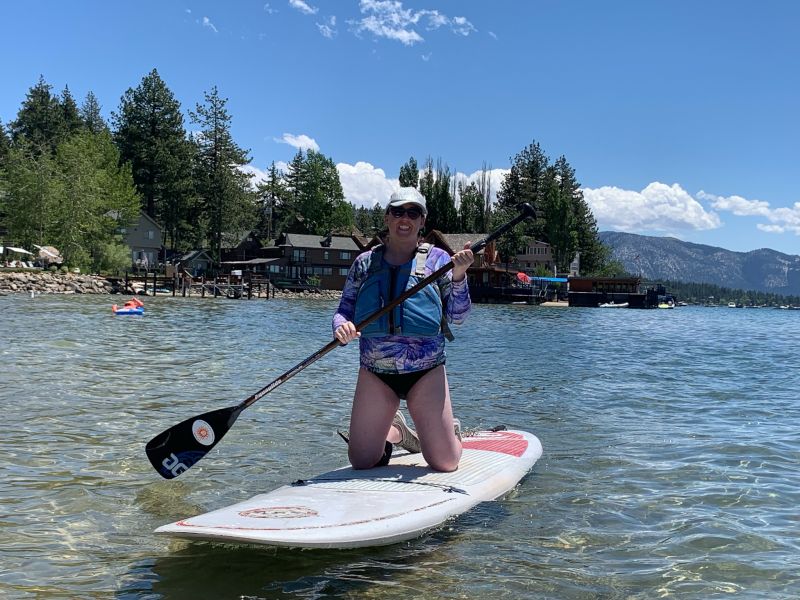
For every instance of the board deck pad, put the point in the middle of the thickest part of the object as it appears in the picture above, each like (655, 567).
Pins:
(346, 508)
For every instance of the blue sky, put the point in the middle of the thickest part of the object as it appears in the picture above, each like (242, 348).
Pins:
(680, 118)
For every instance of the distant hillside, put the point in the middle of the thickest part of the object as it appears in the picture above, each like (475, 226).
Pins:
(669, 258)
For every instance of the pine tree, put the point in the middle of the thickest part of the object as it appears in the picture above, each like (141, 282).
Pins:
(40, 119)
(90, 114)
(269, 194)
(226, 195)
(5, 144)
(72, 122)
(290, 209)
(526, 182)
(149, 133)
(409, 174)
(471, 208)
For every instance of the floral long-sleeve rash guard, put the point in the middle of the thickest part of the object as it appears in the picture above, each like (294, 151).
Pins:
(401, 353)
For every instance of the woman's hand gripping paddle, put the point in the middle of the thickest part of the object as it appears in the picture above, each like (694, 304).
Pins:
(177, 449)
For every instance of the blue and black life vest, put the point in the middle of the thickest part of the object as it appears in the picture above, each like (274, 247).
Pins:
(422, 315)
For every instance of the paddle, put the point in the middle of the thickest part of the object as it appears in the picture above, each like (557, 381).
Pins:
(177, 449)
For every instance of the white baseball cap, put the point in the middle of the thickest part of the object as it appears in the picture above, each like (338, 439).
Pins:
(408, 195)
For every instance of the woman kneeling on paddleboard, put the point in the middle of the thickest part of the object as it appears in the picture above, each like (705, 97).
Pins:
(403, 352)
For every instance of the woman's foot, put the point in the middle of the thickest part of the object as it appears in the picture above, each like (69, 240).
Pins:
(408, 437)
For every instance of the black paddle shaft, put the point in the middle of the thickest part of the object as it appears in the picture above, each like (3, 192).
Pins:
(175, 450)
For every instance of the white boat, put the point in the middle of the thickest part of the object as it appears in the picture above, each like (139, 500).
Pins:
(613, 305)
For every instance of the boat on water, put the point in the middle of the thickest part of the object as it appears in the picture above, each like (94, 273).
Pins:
(612, 304)
(667, 304)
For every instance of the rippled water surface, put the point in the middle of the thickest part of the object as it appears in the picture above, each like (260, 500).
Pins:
(671, 464)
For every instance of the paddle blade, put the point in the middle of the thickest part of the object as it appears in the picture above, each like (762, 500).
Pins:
(175, 450)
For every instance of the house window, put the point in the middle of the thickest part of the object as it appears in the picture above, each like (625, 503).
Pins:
(326, 255)
(344, 255)
(150, 234)
(343, 271)
(327, 270)
(274, 268)
(298, 255)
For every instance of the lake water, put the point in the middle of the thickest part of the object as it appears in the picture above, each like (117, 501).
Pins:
(671, 465)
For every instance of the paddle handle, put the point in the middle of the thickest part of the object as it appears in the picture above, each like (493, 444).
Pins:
(526, 211)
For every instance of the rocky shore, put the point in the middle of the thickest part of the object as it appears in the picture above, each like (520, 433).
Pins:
(45, 282)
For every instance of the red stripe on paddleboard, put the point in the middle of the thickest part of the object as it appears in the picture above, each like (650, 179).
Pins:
(503, 442)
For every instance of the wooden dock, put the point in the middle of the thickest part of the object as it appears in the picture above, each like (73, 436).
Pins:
(153, 284)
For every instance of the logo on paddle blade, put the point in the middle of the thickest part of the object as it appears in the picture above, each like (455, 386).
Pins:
(202, 432)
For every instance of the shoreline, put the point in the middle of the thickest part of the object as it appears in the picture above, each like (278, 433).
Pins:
(46, 282)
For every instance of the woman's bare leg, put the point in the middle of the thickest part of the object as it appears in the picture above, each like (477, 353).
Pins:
(374, 407)
(430, 408)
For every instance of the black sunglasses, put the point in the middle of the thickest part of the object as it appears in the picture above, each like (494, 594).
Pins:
(399, 211)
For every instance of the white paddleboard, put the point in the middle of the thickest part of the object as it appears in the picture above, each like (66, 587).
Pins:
(346, 508)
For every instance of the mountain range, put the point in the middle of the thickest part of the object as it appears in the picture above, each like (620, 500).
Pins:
(668, 258)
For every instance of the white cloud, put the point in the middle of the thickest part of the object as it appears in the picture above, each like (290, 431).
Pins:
(658, 207)
(207, 23)
(388, 19)
(781, 220)
(461, 26)
(364, 184)
(301, 142)
(327, 29)
(303, 7)
(493, 34)
(426, 57)
(269, 10)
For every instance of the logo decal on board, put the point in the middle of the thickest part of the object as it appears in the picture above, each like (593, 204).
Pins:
(279, 512)
(202, 432)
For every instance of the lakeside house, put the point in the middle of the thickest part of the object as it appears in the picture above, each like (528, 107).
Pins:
(143, 237)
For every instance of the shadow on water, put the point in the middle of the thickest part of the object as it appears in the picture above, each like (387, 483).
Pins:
(201, 570)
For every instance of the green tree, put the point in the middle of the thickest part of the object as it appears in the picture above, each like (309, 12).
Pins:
(150, 134)
(435, 186)
(40, 119)
(90, 114)
(75, 200)
(226, 196)
(289, 208)
(471, 210)
(322, 197)
(508, 245)
(30, 196)
(96, 197)
(5, 145)
(377, 217)
(526, 182)
(72, 122)
(269, 194)
(409, 174)
(314, 200)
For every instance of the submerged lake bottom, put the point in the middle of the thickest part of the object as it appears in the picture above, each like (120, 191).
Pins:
(669, 468)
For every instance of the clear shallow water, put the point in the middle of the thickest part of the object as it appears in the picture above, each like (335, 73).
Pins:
(670, 467)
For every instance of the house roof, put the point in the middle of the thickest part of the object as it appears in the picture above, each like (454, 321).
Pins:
(252, 261)
(195, 255)
(299, 240)
(455, 241)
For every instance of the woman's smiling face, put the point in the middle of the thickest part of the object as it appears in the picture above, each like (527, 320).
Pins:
(408, 223)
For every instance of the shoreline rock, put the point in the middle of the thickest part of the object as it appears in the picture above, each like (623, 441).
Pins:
(46, 282)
